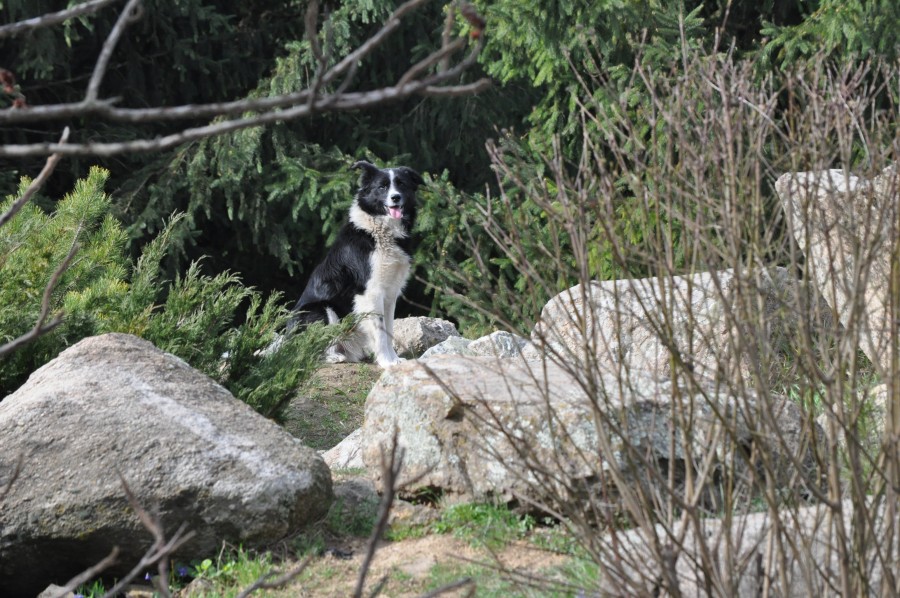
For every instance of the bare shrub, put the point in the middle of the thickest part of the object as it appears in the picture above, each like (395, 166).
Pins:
(684, 184)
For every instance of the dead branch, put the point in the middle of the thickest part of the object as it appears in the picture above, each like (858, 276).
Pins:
(89, 573)
(158, 553)
(42, 326)
(301, 104)
(55, 18)
(391, 464)
(129, 14)
(263, 582)
(453, 585)
(36, 184)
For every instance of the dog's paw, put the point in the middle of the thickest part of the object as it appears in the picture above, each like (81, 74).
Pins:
(334, 355)
(387, 362)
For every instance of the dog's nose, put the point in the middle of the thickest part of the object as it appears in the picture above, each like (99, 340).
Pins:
(395, 197)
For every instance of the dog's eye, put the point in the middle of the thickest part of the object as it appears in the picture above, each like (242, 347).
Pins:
(383, 186)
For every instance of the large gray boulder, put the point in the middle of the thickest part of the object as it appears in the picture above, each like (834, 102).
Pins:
(715, 324)
(186, 447)
(482, 428)
(847, 228)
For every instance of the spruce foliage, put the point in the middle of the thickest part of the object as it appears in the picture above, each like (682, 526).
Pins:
(215, 323)
(264, 203)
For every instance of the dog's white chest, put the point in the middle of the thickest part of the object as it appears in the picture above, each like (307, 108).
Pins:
(390, 269)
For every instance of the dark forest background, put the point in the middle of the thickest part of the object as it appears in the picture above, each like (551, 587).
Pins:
(264, 202)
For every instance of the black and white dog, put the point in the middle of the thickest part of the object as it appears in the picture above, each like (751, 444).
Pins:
(367, 267)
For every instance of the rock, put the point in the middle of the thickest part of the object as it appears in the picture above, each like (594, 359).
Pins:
(186, 447)
(795, 554)
(355, 505)
(53, 591)
(498, 344)
(414, 336)
(620, 326)
(455, 345)
(847, 228)
(346, 454)
(480, 428)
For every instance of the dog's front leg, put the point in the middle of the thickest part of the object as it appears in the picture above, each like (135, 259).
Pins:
(384, 346)
(376, 325)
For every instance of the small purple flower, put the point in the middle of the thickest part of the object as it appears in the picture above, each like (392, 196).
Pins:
(182, 571)
(147, 576)
(79, 595)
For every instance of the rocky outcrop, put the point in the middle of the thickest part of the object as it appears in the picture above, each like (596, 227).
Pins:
(847, 228)
(186, 447)
(499, 344)
(482, 428)
(414, 336)
(347, 454)
(717, 325)
(745, 556)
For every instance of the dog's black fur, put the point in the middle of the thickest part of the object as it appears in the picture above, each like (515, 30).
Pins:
(366, 268)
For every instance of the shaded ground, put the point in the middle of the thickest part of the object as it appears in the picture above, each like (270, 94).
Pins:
(331, 404)
(327, 410)
(416, 566)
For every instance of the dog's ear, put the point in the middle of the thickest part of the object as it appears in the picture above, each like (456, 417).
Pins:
(368, 170)
(413, 175)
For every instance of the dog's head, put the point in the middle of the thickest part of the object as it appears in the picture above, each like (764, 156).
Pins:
(389, 192)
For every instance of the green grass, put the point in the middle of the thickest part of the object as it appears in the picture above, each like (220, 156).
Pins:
(576, 577)
(357, 521)
(331, 405)
(483, 524)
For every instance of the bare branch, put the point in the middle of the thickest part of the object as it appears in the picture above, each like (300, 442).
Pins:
(55, 18)
(36, 184)
(158, 553)
(391, 464)
(373, 42)
(263, 584)
(285, 107)
(89, 573)
(469, 89)
(130, 14)
(453, 585)
(444, 53)
(346, 101)
(42, 327)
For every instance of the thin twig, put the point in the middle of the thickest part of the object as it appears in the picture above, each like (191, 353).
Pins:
(391, 464)
(88, 574)
(42, 327)
(453, 585)
(445, 52)
(263, 582)
(158, 553)
(36, 184)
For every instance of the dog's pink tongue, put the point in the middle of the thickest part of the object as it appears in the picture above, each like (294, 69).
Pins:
(395, 213)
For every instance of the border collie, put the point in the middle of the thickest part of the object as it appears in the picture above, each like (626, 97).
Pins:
(367, 267)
